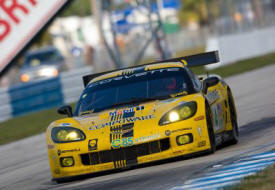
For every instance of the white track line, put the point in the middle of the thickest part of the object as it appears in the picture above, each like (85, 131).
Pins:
(260, 165)
(225, 174)
(230, 174)
(222, 180)
(251, 162)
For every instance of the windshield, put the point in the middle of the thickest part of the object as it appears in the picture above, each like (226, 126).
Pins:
(41, 58)
(138, 87)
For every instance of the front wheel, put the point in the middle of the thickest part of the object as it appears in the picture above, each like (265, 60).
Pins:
(210, 129)
(233, 117)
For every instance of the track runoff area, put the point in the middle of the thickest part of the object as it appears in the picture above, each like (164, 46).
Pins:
(221, 176)
(255, 102)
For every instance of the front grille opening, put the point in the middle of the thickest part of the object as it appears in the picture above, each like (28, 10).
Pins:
(164, 144)
(129, 154)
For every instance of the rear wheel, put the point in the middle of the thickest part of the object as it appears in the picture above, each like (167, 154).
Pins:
(210, 129)
(233, 117)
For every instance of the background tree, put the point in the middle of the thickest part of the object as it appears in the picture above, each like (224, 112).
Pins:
(193, 10)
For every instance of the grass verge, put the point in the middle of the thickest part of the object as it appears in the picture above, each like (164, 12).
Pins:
(28, 125)
(264, 180)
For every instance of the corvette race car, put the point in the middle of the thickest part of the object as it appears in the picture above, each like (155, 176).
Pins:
(142, 114)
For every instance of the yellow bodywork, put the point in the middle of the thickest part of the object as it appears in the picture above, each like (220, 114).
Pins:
(103, 132)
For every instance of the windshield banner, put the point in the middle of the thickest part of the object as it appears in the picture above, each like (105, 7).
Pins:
(20, 21)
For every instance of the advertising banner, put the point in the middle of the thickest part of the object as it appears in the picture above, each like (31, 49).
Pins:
(20, 21)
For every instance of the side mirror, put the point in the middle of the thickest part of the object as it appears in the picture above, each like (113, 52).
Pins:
(65, 110)
(209, 82)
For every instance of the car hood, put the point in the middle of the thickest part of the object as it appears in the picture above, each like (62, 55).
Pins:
(136, 121)
(136, 114)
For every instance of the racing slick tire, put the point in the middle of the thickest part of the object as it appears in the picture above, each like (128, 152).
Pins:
(233, 117)
(210, 129)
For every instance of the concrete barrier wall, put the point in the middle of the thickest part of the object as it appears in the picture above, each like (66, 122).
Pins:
(242, 46)
(42, 94)
(35, 96)
(5, 106)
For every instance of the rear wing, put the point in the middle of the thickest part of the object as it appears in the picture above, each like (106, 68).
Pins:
(195, 60)
(189, 61)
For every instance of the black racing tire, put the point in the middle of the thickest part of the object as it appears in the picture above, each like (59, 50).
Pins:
(233, 117)
(58, 181)
(210, 129)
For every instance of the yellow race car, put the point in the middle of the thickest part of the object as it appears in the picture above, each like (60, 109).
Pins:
(142, 114)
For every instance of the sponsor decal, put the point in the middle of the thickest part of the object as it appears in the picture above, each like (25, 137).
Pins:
(199, 130)
(59, 152)
(147, 138)
(125, 142)
(125, 130)
(122, 121)
(218, 117)
(118, 143)
(170, 100)
(121, 132)
(168, 132)
(179, 94)
(199, 118)
(127, 71)
(220, 110)
(178, 152)
(125, 113)
(215, 115)
(65, 124)
(212, 96)
(92, 144)
(84, 96)
(201, 143)
(133, 75)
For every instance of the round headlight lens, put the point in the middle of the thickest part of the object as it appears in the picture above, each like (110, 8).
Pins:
(185, 112)
(67, 161)
(184, 139)
(179, 113)
(173, 116)
(67, 134)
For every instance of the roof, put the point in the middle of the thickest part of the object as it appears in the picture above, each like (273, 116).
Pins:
(190, 61)
(136, 69)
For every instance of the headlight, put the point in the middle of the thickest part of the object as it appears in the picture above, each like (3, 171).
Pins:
(184, 139)
(48, 72)
(67, 134)
(179, 113)
(67, 161)
(25, 77)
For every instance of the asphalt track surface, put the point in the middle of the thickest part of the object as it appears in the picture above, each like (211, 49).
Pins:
(24, 164)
